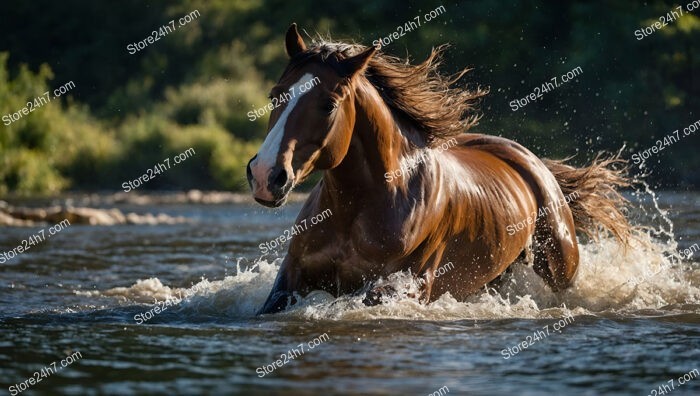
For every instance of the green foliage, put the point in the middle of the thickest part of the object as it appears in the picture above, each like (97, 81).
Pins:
(219, 160)
(57, 146)
(27, 172)
(216, 102)
(194, 86)
(35, 146)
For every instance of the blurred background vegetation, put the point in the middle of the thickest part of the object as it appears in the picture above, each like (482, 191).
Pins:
(193, 87)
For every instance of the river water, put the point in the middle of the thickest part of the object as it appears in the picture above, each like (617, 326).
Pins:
(630, 324)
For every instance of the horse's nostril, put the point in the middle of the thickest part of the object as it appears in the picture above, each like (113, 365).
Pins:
(249, 173)
(281, 179)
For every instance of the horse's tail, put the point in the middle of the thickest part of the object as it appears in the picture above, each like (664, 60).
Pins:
(596, 202)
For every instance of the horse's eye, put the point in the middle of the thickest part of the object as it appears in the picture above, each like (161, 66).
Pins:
(330, 106)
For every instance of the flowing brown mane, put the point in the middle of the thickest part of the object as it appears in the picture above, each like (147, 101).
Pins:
(429, 100)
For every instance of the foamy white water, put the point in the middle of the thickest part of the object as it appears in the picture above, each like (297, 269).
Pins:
(648, 276)
(94, 289)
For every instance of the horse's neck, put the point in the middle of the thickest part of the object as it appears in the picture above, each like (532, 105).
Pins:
(378, 143)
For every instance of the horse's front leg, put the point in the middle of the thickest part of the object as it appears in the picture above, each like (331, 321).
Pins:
(282, 293)
(375, 295)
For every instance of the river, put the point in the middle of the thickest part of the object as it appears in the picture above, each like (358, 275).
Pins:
(168, 308)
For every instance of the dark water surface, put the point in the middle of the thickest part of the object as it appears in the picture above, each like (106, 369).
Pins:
(634, 318)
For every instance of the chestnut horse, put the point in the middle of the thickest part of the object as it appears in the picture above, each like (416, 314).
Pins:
(401, 197)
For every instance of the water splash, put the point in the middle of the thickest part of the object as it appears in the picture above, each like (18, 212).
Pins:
(650, 275)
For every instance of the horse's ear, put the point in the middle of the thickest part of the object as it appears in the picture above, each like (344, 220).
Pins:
(357, 64)
(293, 41)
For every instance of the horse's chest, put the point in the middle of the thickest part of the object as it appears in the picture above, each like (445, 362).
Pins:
(362, 246)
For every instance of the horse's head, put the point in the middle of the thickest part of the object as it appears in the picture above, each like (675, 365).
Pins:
(311, 121)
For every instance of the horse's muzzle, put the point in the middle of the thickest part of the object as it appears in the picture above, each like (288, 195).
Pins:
(276, 183)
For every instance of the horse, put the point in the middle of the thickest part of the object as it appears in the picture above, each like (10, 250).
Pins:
(409, 187)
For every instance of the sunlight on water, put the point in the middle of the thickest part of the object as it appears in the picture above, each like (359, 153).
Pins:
(648, 276)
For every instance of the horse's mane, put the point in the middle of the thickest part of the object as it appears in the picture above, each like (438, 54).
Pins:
(427, 99)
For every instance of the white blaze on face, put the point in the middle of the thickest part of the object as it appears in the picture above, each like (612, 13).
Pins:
(267, 155)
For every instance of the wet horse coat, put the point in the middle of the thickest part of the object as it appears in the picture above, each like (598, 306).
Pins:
(445, 206)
